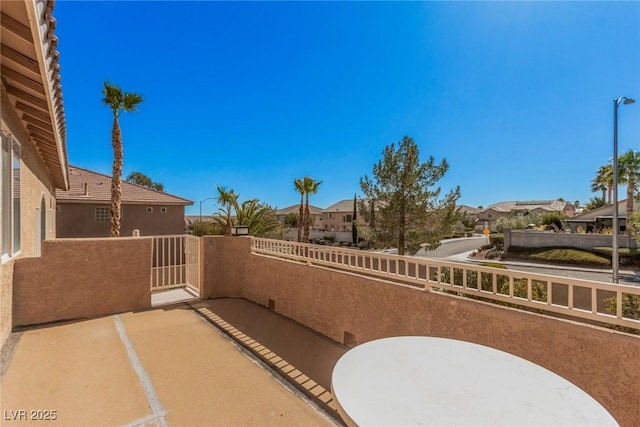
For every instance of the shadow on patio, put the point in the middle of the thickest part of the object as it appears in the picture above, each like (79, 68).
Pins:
(157, 367)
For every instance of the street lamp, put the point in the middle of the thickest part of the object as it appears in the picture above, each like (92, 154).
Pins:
(614, 256)
(201, 201)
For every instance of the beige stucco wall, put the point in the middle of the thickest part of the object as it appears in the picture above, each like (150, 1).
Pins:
(545, 239)
(81, 278)
(603, 363)
(35, 184)
(78, 220)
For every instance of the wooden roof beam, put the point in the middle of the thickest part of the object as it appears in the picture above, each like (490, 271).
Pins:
(17, 57)
(16, 27)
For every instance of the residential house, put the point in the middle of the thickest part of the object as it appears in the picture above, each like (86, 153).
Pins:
(84, 209)
(601, 218)
(339, 216)
(488, 217)
(470, 212)
(315, 214)
(34, 154)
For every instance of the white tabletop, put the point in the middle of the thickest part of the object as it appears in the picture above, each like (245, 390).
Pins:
(407, 381)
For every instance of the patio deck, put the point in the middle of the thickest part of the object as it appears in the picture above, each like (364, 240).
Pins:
(164, 366)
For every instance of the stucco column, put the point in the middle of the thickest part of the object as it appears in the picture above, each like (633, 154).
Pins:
(224, 260)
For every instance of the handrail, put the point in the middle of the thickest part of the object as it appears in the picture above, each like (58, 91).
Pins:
(579, 298)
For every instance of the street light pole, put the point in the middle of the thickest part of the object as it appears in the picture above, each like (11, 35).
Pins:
(614, 253)
(201, 201)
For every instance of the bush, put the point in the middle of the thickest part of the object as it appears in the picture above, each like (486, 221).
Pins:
(630, 306)
(497, 241)
(567, 256)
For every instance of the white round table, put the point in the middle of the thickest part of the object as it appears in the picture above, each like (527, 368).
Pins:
(408, 381)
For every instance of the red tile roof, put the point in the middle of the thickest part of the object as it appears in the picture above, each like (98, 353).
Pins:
(98, 189)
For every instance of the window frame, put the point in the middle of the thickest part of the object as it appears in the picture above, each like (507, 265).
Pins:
(10, 174)
(102, 210)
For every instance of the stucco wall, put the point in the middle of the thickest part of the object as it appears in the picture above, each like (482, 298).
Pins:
(82, 278)
(35, 185)
(603, 363)
(78, 220)
(542, 239)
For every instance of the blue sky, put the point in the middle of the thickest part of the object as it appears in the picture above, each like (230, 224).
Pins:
(517, 96)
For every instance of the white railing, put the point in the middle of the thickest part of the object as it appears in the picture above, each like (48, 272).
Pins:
(176, 263)
(599, 301)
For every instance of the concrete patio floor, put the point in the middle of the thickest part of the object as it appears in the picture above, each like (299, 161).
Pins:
(166, 366)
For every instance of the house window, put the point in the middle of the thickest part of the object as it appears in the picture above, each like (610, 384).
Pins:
(10, 195)
(163, 210)
(347, 218)
(103, 214)
(149, 209)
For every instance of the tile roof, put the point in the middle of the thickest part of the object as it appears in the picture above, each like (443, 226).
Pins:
(314, 210)
(549, 205)
(469, 209)
(98, 189)
(341, 206)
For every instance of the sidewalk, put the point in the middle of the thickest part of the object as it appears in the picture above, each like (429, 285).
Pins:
(157, 367)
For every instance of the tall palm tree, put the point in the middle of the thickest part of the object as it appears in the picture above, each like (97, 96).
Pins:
(228, 200)
(601, 180)
(629, 173)
(299, 186)
(118, 101)
(310, 186)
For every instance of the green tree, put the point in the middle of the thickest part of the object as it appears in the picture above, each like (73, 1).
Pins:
(142, 179)
(594, 203)
(354, 226)
(299, 186)
(603, 182)
(259, 217)
(118, 101)
(554, 220)
(410, 212)
(228, 200)
(629, 171)
(305, 186)
(202, 228)
(292, 220)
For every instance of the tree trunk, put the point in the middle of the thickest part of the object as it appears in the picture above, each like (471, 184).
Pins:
(609, 195)
(305, 237)
(116, 185)
(630, 190)
(300, 219)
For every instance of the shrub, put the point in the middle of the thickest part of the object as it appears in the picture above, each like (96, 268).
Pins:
(630, 306)
(497, 241)
(568, 256)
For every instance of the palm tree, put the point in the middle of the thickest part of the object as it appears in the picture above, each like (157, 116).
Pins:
(260, 218)
(299, 186)
(629, 172)
(600, 182)
(310, 187)
(118, 101)
(228, 200)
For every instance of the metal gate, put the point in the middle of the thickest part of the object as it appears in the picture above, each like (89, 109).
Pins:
(176, 263)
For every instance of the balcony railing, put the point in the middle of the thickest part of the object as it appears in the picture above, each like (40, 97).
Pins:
(175, 263)
(596, 301)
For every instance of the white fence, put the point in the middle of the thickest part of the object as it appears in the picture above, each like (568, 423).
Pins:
(598, 301)
(176, 263)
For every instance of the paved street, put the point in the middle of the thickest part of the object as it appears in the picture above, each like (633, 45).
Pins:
(452, 247)
(458, 250)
